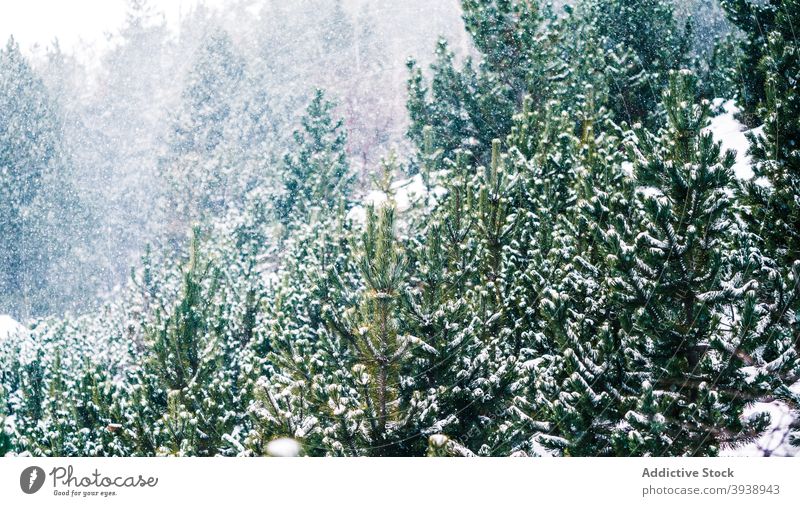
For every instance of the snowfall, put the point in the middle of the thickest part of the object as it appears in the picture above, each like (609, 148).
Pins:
(733, 136)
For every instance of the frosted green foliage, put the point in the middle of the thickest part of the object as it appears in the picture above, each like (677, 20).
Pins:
(757, 20)
(62, 384)
(770, 204)
(469, 107)
(551, 273)
(316, 173)
(649, 32)
(677, 283)
(773, 209)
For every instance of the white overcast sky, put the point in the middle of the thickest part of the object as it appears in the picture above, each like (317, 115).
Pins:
(74, 22)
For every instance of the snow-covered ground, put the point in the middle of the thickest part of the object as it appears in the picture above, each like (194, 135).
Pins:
(775, 441)
(9, 327)
(733, 135)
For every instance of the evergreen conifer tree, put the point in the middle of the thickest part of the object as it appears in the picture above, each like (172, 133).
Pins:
(467, 108)
(576, 375)
(770, 204)
(649, 30)
(191, 379)
(39, 207)
(757, 20)
(773, 209)
(316, 173)
(5, 436)
(677, 284)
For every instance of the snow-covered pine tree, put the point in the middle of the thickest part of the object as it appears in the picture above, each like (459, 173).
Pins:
(190, 380)
(293, 358)
(39, 206)
(371, 328)
(5, 429)
(649, 30)
(574, 380)
(297, 358)
(599, 375)
(771, 208)
(482, 310)
(118, 124)
(757, 20)
(244, 242)
(719, 69)
(316, 172)
(496, 311)
(62, 384)
(337, 363)
(677, 284)
(468, 108)
(512, 255)
(541, 161)
(443, 261)
(25, 377)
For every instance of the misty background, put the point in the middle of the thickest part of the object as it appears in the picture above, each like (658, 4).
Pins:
(141, 94)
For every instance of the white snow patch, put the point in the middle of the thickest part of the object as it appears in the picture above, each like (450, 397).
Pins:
(726, 129)
(438, 440)
(775, 440)
(9, 327)
(357, 214)
(283, 447)
(405, 193)
(649, 191)
(539, 449)
(751, 372)
(627, 168)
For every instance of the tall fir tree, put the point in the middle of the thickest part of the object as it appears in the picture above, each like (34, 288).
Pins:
(649, 30)
(770, 205)
(316, 173)
(297, 357)
(469, 107)
(577, 374)
(677, 283)
(189, 377)
(39, 205)
(757, 20)
(773, 208)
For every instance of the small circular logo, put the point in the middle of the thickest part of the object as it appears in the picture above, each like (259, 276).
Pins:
(31, 479)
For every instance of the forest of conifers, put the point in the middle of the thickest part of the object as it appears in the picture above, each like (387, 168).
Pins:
(555, 257)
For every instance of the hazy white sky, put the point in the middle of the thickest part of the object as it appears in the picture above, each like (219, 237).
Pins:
(74, 21)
